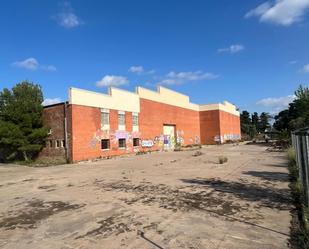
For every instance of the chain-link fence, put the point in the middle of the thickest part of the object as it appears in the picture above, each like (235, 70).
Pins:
(300, 141)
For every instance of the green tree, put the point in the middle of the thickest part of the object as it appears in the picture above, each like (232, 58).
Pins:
(255, 120)
(263, 122)
(297, 115)
(245, 122)
(22, 134)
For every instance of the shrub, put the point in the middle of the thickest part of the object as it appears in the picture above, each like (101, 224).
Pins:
(222, 159)
(291, 155)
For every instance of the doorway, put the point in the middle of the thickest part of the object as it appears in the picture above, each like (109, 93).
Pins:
(169, 133)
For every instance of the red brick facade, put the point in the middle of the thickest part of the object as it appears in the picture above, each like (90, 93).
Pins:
(85, 132)
(53, 119)
(219, 126)
(154, 115)
(209, 126)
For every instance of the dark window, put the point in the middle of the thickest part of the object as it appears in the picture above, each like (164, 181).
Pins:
(51, 143)
(63, 144)
(105, 144)
(58, 143)
(121, 142)
(135, 142)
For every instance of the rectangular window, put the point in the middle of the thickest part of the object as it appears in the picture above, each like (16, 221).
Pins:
(51, 143)
(104, 117)
(135, 119)
(58, 143)
(105, 144)
(121, 143)
(135, 142)
(63, 143)
(121, 118)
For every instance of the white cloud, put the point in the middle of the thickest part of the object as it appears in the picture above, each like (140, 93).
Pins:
(51, 101)
(136, 69)
(66, 17)
(49, 68)
(29, 64)
(281, 12)
(276, 104)
(305, 68)
(112, 80)
(174, 78)
(33, 64)
(235, 48)
(293, 62)
(140, 70)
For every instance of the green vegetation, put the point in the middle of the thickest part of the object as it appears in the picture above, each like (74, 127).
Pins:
(22, 134)
(297, 115)
(251, 124)
(302, 231)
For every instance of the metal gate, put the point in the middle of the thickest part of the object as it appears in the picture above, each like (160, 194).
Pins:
(300, 141)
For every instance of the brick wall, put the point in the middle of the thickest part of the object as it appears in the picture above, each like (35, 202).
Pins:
(87, 134)
(209, 125)
(229, 126)
(53, 119)
(219, 125)
(153, 115)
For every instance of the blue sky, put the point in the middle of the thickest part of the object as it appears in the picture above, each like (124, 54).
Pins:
(252, 53)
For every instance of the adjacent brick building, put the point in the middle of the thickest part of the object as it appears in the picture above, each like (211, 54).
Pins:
(93, 125)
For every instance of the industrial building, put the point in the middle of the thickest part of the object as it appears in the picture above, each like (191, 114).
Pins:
(93, 125)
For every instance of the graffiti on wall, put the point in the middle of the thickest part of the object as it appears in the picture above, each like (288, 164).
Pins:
(113, 136)
(164, 142)
(147, 143)
(225, 137)
(180, 137)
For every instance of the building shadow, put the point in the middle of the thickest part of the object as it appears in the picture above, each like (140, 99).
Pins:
(269, 175)
(276, 165)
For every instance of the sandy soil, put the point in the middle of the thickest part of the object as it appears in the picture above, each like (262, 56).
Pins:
(159, 200)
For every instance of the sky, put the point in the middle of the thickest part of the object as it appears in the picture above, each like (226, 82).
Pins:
(253, 54)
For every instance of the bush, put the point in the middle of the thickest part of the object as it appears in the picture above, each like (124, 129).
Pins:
(291, 155)
(222, 159)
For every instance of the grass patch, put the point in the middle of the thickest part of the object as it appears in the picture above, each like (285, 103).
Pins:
(300, 228)
(43, 162)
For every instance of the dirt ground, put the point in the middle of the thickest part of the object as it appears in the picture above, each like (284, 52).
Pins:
(159, 200)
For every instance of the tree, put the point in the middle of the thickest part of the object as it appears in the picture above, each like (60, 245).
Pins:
(22, 134)
(263, 122)
(255, 119)
(245, 122)
(297, 115)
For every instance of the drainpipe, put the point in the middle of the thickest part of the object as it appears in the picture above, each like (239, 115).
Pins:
(66, 133)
